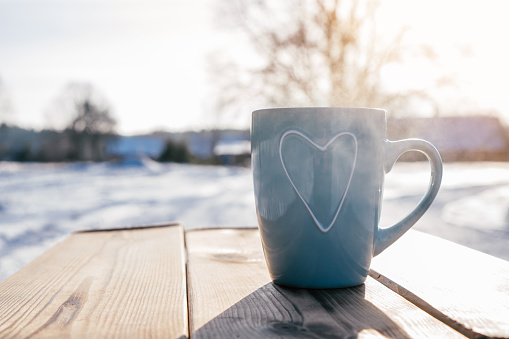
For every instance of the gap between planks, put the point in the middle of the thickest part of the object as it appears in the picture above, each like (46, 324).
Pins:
(251, 306)
(466, 289)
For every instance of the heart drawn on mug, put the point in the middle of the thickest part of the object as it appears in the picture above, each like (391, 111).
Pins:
(321, 148)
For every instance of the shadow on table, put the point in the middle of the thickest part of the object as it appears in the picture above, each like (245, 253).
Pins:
(275, 311)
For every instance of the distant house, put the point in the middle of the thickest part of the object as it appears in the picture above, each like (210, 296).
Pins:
(129, 146)
(467, 138)
(200, 143)
(234, 152)
(231, 147)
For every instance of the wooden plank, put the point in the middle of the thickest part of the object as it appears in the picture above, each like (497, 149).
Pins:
(231, 295)
(124, 283)
(466, 289)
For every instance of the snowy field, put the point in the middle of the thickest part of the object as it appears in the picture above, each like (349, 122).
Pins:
(40, 204)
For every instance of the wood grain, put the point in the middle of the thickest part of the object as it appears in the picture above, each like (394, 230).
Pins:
(125, 284)
(466, 289)
(231, 295)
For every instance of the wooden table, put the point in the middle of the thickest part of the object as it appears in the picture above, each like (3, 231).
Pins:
(160, 281)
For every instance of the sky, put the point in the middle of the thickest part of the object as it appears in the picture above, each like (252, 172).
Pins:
(149, 59)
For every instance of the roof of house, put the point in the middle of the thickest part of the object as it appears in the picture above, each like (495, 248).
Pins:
(466, 133)
(233, 147)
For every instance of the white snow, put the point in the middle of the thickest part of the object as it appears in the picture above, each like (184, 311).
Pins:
(40, 204)
(486, 210)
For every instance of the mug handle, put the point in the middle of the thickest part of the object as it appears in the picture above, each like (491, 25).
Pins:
(393, 150)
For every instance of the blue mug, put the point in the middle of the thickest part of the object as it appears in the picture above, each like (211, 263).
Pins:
(318, 180)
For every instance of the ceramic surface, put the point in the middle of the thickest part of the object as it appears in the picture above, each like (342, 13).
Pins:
(318, 179)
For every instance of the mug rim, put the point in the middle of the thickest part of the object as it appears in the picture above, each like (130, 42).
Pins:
(320, 108)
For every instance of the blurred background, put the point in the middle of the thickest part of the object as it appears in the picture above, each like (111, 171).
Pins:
(116, 113)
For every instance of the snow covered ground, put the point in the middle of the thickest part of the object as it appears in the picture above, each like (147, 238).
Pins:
(40, 204)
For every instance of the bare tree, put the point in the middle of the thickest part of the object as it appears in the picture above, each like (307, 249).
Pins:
(308, 52)
(85, 117)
